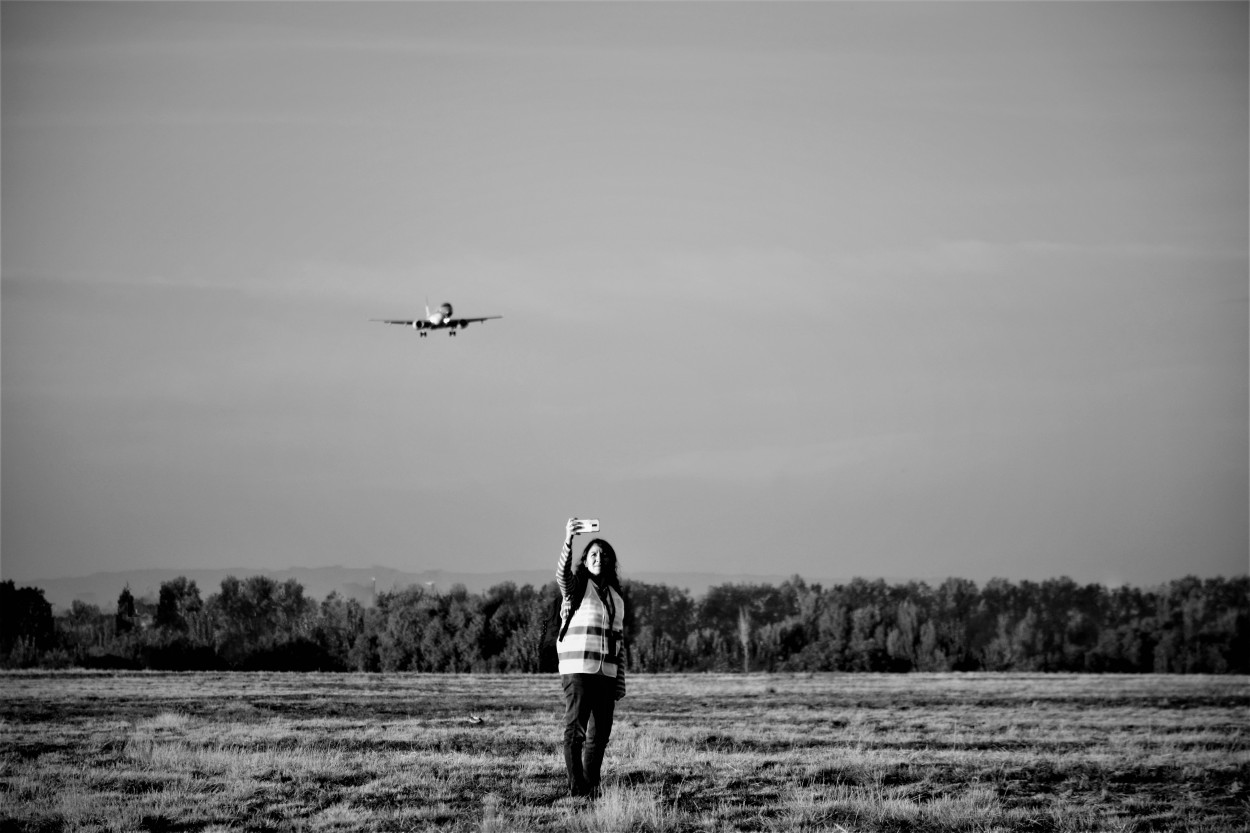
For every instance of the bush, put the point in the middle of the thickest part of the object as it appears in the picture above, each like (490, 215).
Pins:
(181, 654)
(297, 655)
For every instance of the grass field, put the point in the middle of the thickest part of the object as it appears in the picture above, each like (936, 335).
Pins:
(823, 752)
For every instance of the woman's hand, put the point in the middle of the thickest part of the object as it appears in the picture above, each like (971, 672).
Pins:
(573, 527)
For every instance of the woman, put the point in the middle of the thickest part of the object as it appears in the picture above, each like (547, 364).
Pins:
(591, 648)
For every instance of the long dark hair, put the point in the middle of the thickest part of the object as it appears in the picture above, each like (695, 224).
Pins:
(609, 576)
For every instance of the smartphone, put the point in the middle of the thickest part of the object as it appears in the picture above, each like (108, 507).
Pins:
(589, 525)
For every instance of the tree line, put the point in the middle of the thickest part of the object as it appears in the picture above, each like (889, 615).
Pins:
(1190, 625)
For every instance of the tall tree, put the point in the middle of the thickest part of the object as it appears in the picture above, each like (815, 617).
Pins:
(178, 603)
(126, 616)
(27, 626)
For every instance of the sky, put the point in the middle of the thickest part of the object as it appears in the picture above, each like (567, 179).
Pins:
(902, 290)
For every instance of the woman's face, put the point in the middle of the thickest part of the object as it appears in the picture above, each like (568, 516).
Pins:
(594, 560)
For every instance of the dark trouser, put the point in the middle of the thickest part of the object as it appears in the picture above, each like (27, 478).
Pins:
(590, 701)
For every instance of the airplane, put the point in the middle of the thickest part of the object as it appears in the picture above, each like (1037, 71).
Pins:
(440, 319)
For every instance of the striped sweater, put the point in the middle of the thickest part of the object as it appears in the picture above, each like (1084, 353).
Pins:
(594, 640)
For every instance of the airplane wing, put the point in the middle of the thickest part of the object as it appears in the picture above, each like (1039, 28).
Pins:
(464, 322)
(406, 322)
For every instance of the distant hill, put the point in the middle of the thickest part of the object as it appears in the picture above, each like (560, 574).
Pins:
(350, 582)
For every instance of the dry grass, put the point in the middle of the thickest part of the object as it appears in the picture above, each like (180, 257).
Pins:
(222, 752)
